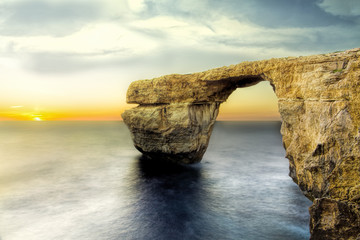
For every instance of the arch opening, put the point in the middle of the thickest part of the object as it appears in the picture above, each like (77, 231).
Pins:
(255, 103)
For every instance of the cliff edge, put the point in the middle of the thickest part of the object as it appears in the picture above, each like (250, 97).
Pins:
(319, 103)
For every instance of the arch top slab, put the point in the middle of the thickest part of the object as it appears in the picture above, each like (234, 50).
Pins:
(319, 103)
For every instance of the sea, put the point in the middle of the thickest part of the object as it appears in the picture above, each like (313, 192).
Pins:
(86, 181)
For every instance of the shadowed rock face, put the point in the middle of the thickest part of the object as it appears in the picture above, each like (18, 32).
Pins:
(319, 103)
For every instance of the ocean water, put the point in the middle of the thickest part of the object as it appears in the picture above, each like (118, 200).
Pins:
(85, 180)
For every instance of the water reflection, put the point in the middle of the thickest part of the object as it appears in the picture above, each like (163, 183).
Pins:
(169, 200)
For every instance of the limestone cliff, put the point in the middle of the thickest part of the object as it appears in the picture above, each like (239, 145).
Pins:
(319, 103)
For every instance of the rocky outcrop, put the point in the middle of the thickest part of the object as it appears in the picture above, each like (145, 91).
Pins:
(332, 219)
(319, 103)
(177, 132)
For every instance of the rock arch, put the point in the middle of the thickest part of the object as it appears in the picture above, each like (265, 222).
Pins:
(319, 103)
(176, 122)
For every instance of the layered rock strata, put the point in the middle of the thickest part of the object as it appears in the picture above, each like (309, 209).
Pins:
(319, 103)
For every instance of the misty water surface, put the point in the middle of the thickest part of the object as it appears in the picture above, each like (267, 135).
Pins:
(85, 180)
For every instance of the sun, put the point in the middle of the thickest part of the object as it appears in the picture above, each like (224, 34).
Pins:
(37, 119)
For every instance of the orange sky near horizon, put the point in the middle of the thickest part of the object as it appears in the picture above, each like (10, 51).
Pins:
(78, 113)
(256, 103)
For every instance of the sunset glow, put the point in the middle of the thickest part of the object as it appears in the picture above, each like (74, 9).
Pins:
(254, 103)
(64, 113)
(74, 60)
(37, 119)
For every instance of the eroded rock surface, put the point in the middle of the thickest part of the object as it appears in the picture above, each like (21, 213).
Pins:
(178, 132)
(319, 103)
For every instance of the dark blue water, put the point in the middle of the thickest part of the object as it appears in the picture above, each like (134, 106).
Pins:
(84, 180)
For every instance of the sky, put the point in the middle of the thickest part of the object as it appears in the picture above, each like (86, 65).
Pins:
(74, 59)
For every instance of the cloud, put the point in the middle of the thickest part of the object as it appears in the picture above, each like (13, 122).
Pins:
(284, 13)
(55, 18)
(152, 31)
(45, 18)
(238, 34)
(136, 5)
(341, 8)
(99, 41)
(166, 60)
(184, 8)
(171, 43)
(273, 14)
